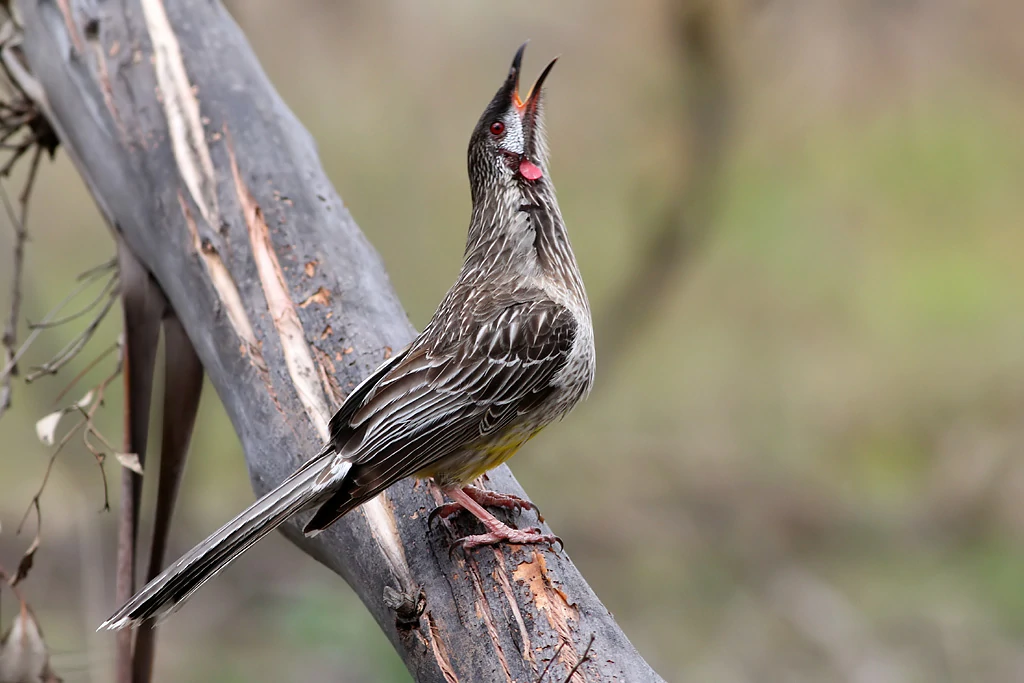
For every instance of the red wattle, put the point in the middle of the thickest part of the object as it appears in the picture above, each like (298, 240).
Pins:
(529, 170)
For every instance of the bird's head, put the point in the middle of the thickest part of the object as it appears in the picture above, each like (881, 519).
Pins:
(508, 144)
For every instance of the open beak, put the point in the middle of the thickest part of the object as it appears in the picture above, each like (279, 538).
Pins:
(528, 105)
(527, 108)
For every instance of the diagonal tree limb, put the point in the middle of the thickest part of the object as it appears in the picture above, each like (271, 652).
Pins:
(217, 189)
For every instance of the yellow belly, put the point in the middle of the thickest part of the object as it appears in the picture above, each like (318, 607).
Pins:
(464, 467)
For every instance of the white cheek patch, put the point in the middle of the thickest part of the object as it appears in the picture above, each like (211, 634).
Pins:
(513, 140)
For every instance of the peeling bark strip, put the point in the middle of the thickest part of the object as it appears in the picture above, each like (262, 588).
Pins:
(483, 612)
(180, 105)
(297, 355)
(506, 588)
(380, 515)
(172, 61)
(439, 651)
(553, 604)
(224, 285)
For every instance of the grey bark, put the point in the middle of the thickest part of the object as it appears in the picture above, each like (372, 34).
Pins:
(489, 615)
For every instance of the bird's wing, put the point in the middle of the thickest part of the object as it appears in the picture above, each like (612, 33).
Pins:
(357, 397)
(440, 398)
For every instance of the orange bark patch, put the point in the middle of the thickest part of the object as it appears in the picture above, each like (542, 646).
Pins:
(554, 605)
(320, 296)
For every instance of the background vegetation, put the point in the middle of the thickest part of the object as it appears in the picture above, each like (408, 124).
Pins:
(802, 465)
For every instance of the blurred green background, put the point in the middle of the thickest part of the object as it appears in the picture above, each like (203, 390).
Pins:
(801, 461)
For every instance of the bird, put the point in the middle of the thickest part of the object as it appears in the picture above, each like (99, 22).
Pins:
(509, 350)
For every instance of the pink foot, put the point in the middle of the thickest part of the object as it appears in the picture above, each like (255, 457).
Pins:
(473, 500)
(486, 498)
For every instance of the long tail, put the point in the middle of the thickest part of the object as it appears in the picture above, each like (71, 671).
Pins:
(166, 593)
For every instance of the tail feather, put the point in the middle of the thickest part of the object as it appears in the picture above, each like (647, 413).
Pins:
(165, 594)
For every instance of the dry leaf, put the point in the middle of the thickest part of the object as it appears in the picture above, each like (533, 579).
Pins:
(130, 460)
(46, 428)
(23, 654)
(25, 564)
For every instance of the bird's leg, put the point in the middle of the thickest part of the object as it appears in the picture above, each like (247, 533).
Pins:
(487, 499)
(497, 531)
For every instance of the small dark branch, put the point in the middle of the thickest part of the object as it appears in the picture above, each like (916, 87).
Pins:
(18, 117)
(87, 413)
(584, 658)
(104, 293)
(75, 346)
(8, 578)
(554, 657)
(85, 279)
(116, 346)
(10, 335)
(34, 503)
(684, 223)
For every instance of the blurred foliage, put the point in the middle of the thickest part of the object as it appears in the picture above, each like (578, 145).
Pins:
(806, 469)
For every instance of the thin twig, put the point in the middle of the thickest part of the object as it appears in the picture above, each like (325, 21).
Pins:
(10, 335)
(584, 658)
(20, 116)
(26, 192)
(112, 282)
(92, 364)
(46, 474)
(558, 651)
(86, 421)
(85, 280)
(74, 347)
(95, 271)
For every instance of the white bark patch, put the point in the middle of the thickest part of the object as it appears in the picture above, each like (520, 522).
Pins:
(297, 355)
(223, 283)
(181, 107)
(380, 516)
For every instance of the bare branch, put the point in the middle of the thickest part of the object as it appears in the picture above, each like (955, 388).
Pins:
(98, 395)
(85, 280)
(584, 658)
(75, 346)
(558, 652)
(10, 334)
(18, 116)
(110, 284)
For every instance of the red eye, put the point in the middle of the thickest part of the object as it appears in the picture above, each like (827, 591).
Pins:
(497, 128)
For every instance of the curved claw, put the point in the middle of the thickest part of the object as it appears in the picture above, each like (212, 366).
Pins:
(554, 538)
(443, 512)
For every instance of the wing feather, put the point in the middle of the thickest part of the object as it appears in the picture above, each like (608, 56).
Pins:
(442, 397)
